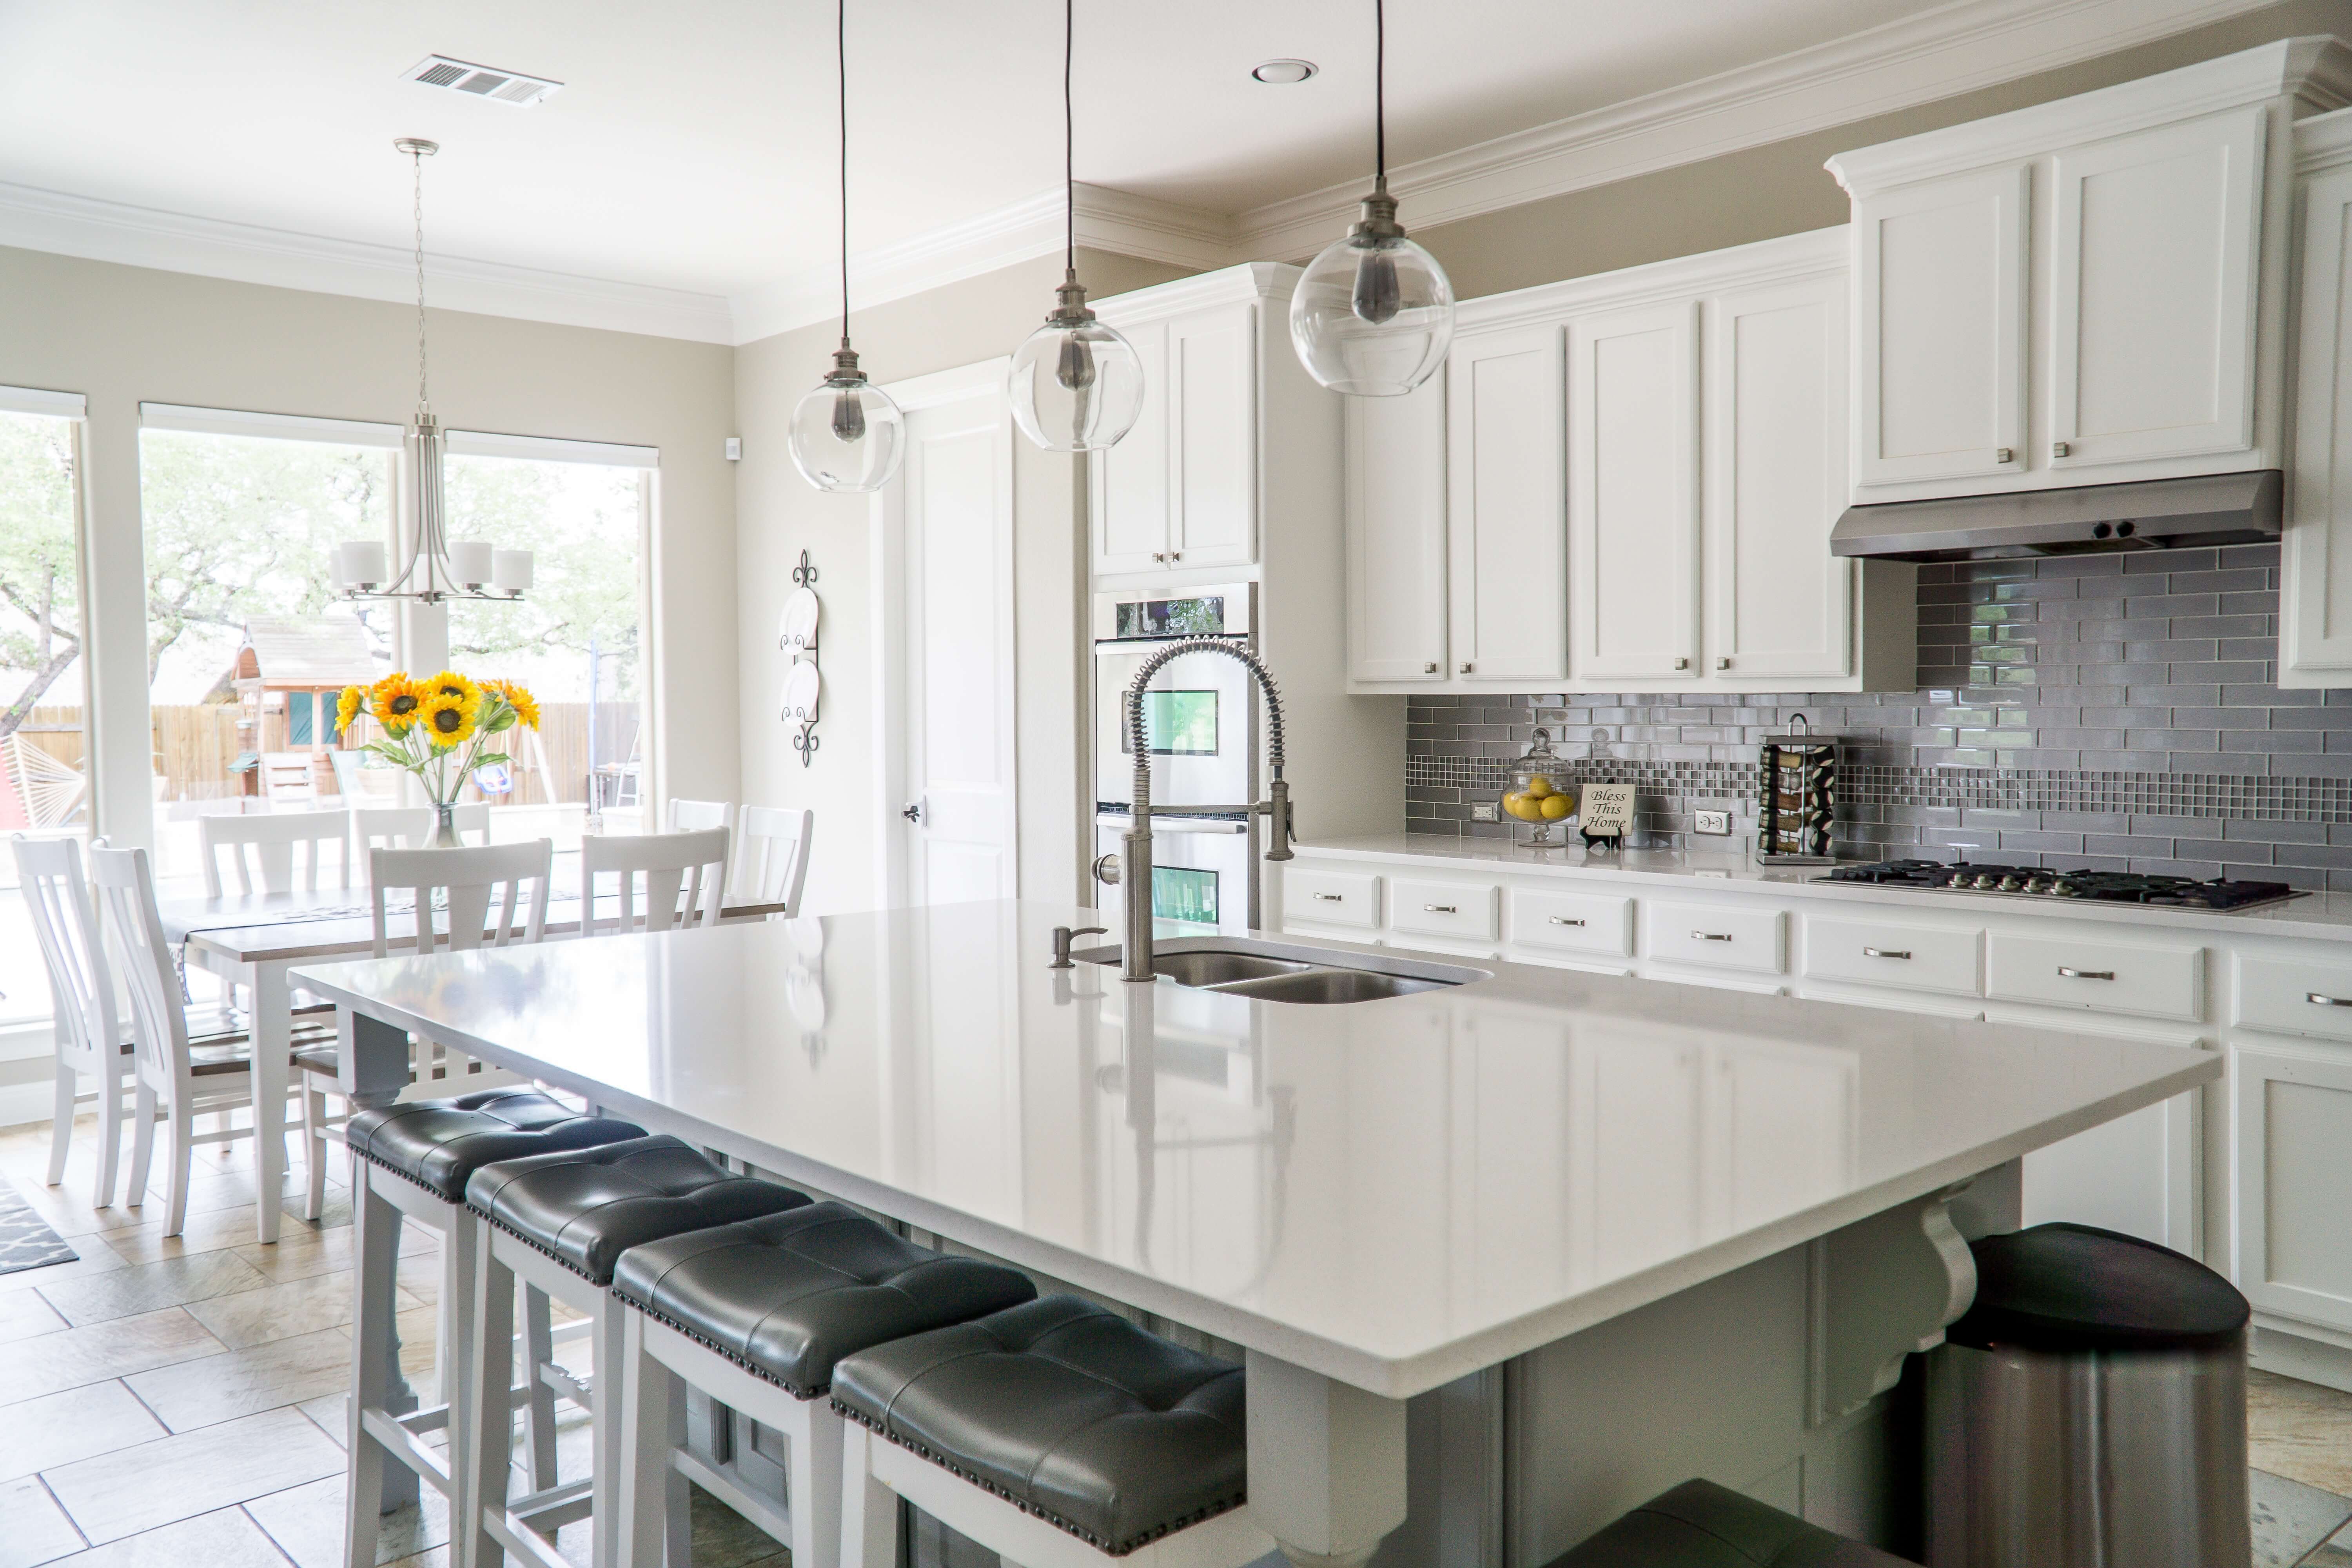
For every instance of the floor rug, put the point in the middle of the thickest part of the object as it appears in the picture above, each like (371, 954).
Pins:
(25, 1242)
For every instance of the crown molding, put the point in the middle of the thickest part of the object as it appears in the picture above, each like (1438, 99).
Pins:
(1951, 51)
(1814, 254)
(36, 219)
(2323, 142)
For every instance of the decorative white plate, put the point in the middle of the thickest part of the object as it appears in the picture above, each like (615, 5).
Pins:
(801, 685)
(798, 633)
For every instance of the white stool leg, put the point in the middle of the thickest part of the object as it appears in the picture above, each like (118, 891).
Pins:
(538, 1423)
(375, 1240)
(813, 1461)
(489, 1408)
(869, 1511)
(314, 1149)
(605, 1391)
(657, 1525)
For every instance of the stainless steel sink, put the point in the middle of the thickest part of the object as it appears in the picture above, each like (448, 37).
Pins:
(1268, 971)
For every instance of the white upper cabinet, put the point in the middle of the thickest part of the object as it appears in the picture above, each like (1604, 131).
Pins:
(2089, 291)
(1396, 534)
(1507, 539)
(1185, 489)
(2316, 566)
(1632, 494)
(1939, 329)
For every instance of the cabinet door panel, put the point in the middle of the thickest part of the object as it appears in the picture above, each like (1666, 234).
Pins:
(2293, 1182)
(1633, 501)
(1940, 357)
(1777, 603)
(1131, 479)
(2152, 312)
(1396, 534)
(1212, 424)
(1505, 512)
(2316, 591)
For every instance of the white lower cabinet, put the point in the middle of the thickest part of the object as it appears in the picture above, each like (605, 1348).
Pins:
(1467, 911)
(1909, 957)
(2294, 1179)
(1323, 897)
(2068, 970)
(1591, 924)
(1716, 936)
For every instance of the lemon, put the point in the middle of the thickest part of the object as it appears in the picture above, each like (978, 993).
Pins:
(1554, 808)
(1526, 807)
(1540, 787)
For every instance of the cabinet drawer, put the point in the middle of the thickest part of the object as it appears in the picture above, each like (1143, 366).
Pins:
(1916, 958)
(2103, 976)
(2296, 997)
(1331, 897)
(1464, 910)
(1717, 937)
(1572, 922)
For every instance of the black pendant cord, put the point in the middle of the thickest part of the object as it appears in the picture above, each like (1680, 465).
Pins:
(1069, 145)
(1380, 94)
(841, 92)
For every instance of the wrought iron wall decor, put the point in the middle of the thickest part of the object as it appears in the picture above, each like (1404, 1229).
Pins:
(804, 685)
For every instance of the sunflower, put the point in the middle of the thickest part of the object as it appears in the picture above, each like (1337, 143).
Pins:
(349, 707)
(518, 697)
(449, 683)
(397, 699)
(450, 717)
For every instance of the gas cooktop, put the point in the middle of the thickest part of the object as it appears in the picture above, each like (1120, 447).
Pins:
(2040, 882)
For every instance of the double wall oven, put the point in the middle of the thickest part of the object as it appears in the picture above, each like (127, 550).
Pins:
(1200, 720)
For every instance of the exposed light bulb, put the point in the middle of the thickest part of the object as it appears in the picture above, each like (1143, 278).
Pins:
(1076, 383)
(848, 415)
(1074, 368)
(1376, 297)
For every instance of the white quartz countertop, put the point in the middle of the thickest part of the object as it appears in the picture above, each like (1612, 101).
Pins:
(1392, 1194)
(2328, 915)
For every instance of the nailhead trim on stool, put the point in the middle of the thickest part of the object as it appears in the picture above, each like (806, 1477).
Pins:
(439, 1143)
(787, 1296)
(1110, 1409)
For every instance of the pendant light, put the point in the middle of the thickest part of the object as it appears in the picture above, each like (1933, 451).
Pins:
(436, 569)
(846, 433)
(1076, 383)
(1373, 314)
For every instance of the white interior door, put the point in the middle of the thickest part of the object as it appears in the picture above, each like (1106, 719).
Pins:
(953, 516)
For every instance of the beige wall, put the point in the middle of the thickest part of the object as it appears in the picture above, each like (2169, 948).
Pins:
(780, 516)
(1766, 192)
(123, 335)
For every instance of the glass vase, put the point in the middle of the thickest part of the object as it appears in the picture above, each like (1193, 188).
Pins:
(444, 827)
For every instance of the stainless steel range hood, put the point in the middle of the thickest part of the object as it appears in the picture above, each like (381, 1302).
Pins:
(2156, 514)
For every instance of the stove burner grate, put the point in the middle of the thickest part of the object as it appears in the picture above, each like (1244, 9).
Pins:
(2041, 881)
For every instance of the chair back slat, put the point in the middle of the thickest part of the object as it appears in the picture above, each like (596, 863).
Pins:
(684, 879)
(265, 844)
(468, 880)
(377, 828)
(64, 924)
(773, 863)
(126, 892)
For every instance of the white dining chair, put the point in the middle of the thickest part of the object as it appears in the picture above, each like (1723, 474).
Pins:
(699, 815)
(262, 849)
(683, 876)
(288, 776)
(773, 863)
(177, 1081)
(466, 882)
(90, 1036)
(411, 827)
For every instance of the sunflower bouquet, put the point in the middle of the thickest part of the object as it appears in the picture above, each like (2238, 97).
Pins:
(440, 729)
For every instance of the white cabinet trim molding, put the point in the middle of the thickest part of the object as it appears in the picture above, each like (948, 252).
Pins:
(1765, 261)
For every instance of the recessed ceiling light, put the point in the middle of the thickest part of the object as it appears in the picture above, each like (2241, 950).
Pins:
(1283, 73)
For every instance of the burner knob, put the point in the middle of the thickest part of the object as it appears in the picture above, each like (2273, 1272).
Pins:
(2011, 884)
(2065, 889)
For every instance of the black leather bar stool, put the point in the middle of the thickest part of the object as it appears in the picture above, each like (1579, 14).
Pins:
(1701, 1525)
(558, 1222)
(757, 1315)
(413, 1163)
(1057, 1434)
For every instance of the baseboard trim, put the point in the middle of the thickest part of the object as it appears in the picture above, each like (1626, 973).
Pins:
(2292, 1355)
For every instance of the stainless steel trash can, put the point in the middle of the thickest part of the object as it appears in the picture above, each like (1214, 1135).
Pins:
(2089, 1410)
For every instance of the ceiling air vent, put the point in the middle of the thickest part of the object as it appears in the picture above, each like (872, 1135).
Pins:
(482, 81)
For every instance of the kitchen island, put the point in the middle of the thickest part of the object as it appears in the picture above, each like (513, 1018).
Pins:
(1531, 1248)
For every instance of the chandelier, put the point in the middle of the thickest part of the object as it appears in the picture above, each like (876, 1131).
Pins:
(438, 569)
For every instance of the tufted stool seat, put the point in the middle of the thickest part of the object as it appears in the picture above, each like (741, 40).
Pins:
(756, 1315)
(559, 1222)
(1068, 1412)
(439, 1143)
(1699, 1524)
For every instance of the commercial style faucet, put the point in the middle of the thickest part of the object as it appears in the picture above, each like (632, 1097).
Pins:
(1132, 865)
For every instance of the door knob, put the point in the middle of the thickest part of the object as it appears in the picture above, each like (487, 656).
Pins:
(1682, 664)
(1723, 664)
(2004, 455)
(912, 811)
(1465, 667)
(2061, 449)
(1430, 668)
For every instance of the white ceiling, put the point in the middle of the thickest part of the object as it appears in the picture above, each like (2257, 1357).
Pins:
(692, 144)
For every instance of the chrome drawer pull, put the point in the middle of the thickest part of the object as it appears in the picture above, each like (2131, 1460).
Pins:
(2318, 999)
(2087, 973)
(1330, 899)
(1441, 908)
(1564, 920)
(1711, 936)
(1885, 952)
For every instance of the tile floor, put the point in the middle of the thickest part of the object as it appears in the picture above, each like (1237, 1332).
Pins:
(178, 1402)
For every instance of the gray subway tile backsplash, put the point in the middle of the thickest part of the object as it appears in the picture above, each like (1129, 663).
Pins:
(2116, 710)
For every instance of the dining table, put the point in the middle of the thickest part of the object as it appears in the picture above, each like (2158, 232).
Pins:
(251, 940)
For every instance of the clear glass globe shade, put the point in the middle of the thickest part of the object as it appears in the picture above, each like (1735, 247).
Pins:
(847, 435)
(1075, 388)
(1373, 317)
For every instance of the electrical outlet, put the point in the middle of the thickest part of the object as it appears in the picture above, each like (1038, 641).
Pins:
(1715, 822)
(1483, 811)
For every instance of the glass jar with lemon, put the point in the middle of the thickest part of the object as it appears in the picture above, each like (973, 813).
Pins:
(1540, 798)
